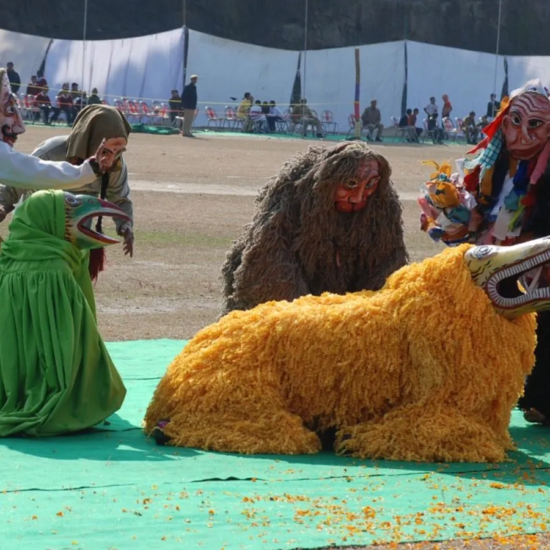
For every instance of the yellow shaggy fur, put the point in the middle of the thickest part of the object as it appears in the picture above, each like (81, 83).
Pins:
(422, 370)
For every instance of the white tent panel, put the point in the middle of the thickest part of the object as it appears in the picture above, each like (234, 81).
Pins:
(25, 51)
(146, 67)
(524, 68)
(228, 69)
(330, 80)
(467, 77)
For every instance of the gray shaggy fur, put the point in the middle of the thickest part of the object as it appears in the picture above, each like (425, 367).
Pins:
(290, 247)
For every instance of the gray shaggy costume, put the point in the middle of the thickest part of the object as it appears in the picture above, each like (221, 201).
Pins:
(298, 243)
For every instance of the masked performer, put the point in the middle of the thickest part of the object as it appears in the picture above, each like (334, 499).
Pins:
(94, 126)
(329, 221)
(26, 172)
(504, 198)
(56, 375)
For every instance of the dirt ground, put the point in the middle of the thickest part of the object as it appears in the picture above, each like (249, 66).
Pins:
(191, 199)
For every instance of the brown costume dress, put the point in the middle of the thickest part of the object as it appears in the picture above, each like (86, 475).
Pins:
(298, 243)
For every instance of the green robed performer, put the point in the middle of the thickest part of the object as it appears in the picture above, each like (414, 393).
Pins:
(56, 376)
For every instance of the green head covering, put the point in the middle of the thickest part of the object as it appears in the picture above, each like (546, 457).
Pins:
(92, 125)
(38, 229)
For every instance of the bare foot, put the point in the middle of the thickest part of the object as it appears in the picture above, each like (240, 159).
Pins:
(532, 415)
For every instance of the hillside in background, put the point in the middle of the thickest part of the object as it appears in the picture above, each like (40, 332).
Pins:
(469, 24)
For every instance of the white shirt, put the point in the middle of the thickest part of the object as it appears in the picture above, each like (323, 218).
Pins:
(28, 172)
(431, 109)
(256, 112)
(274, 111)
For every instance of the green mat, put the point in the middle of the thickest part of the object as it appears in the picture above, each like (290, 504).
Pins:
(116, 489)
(158, 130)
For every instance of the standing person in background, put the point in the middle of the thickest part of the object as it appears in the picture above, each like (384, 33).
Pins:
(189, 102)
(447, 108)
(433, 112)
(493, 107)
(175, 107)
(244, 110)
(14, 78)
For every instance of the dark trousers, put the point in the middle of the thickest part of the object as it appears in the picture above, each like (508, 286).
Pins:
(537, 387)
(46, 109)
(68, 113)
(272, 122)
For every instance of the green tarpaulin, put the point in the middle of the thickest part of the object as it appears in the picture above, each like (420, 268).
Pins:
(116, 489)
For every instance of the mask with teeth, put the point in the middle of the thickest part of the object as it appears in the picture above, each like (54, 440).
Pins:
(515, 278)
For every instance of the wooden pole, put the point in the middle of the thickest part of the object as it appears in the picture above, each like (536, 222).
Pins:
(357, 109)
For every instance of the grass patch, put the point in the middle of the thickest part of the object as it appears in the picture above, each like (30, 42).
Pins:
(183, 239)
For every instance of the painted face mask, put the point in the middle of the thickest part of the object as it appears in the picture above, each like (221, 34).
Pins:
(526, 126)
(11, 123)
(80, 211)
(111, 153)
(352, 195)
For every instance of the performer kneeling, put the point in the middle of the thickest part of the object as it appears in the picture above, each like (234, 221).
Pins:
(56, 375)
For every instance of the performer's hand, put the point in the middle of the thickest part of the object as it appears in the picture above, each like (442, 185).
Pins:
(128, 235)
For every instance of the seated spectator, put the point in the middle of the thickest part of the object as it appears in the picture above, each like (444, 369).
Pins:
(94, 98)
(64, 104)
(273, 116)
(244, 109)
(372, 120)
(265, 108)
(32, 87)
(42, 101)
(470, 128)
(302, 114)
(42, 83)
(257, 116)
(80, 102)
(483, 122)
(174, 104)
(404, 123)
(412, 123)
(75, 92)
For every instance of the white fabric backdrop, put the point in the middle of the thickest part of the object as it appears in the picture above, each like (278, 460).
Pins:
(150, 66)
(146, 67)
(229, 69)
(466, 77)
(330, 80)
(25, 51)
(524, 68)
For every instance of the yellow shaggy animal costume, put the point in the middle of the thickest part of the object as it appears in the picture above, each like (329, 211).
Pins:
(424, 369)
